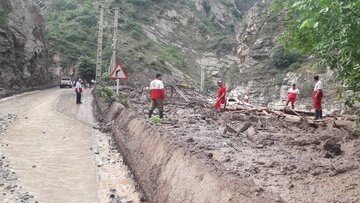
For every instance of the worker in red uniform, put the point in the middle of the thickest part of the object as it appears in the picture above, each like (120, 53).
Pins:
(317, 96)
(220, 97)
(157, 95)
(291, 96)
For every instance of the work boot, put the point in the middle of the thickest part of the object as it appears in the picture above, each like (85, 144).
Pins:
(317, 114)
(320, 114)
(161, 114)
(150, 113)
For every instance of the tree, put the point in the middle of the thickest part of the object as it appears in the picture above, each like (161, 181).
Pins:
(87, 68)
(329, 30)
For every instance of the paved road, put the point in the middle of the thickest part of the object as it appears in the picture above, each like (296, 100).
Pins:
(49, 146)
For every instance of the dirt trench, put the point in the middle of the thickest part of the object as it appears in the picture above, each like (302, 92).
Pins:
(165, 171)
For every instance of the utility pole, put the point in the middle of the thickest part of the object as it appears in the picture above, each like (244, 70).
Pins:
(114, 41)
(113, 58)
(100, 43)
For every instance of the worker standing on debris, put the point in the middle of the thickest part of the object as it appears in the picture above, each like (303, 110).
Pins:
(291, 96)
(220, 97)
(317, 96)
(78, 91)
(157, 95)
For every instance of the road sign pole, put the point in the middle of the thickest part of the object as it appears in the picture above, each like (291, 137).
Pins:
(117, 86)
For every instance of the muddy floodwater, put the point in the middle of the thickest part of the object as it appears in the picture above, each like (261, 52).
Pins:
(52, 152)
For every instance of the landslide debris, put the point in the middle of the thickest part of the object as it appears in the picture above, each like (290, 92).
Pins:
(301, 163)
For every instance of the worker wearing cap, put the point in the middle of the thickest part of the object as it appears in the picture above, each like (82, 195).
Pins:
(78, 91)
(317, 96)
(157, 95)
(220, 97)
(291, 96)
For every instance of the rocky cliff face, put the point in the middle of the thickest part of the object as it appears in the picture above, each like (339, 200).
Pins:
(258, 77)
(24, 57)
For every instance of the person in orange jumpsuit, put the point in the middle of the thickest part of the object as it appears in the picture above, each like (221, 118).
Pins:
(220, 97)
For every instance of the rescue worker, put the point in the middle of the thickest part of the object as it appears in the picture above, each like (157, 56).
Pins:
(78, 91)
(246, 99)
(220, 97)
(317, 96)
(291, 96)
(157, 95)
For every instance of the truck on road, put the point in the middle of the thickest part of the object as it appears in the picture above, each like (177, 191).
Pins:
(65, 82)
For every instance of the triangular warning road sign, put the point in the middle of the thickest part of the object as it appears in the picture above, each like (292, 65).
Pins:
(118, 73)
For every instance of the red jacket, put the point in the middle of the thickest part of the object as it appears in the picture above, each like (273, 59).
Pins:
(157, 90)
(221, 93)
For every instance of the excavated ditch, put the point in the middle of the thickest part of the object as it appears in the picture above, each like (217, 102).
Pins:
(198, 155)
(168, 172)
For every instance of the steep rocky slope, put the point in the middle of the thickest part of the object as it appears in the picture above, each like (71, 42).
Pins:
(235, 41)
(181, 37)
(24, 57)
(266, 70)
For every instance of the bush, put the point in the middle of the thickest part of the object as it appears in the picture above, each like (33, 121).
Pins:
(281, 58)
(110, 97)
(294, 66)
(87, 68)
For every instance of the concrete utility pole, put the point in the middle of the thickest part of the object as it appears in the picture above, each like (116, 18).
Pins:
(113, 58)
(100, 43)
(114, 41)
(202, 82)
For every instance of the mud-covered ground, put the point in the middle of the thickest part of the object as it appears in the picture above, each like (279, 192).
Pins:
(299, 162)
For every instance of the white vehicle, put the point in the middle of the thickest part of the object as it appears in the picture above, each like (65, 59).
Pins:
(65, 82)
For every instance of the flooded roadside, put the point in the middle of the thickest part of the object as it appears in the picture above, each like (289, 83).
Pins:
(53, 153)
(115, 181)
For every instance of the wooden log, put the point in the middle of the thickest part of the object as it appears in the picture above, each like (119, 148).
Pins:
(279, 113)
(293, 119)
(291, 112)
(348, 125)
(347, 117)
(297, 114)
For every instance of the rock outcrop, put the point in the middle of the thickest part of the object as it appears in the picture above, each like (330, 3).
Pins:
(259, 78)
(24, 55)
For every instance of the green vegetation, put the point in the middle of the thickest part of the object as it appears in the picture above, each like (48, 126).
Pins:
(87, 68)
(328, 29)
(155, 119)
(72, 28)
(110, 97)
(282, 58)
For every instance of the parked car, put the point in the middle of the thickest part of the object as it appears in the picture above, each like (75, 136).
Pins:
(65, 82)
